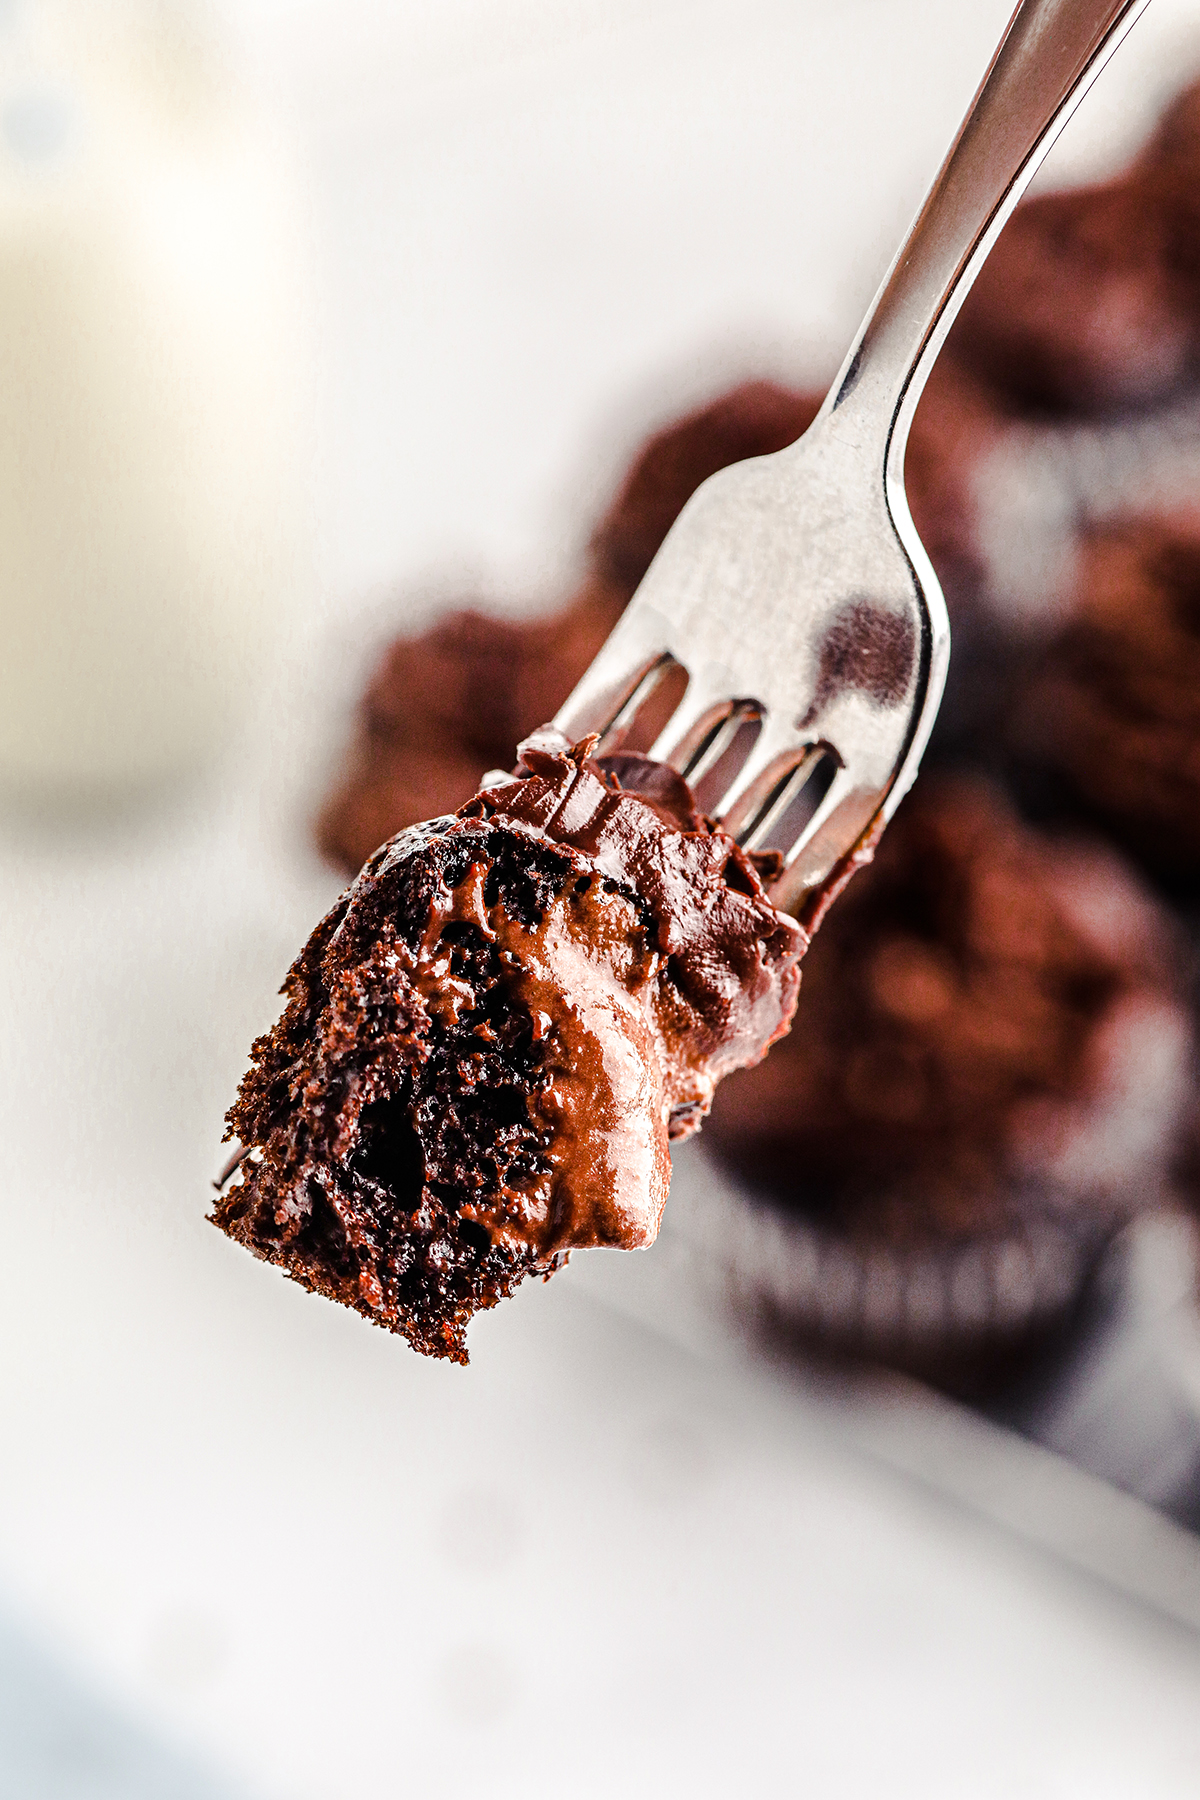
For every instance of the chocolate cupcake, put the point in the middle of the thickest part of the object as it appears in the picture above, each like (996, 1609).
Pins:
(753, 419)
(1091, 298)
(1113, 711)
(958, 424)
(1175, 145)
(490, 1039)
(443, 707)
(989, 1064)
(1086, 301)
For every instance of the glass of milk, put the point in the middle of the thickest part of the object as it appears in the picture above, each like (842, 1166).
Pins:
(149, 371)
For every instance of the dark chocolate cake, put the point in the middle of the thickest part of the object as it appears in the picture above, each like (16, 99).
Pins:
(444, 706)
(986, 1014)
(991, 1067)
(1091, 298)
(490, 1039)
(1114, 710)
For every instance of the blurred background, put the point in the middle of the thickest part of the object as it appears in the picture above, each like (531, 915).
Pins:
(320, 321)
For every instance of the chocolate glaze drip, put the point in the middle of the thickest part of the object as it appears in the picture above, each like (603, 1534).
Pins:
(490, 1039)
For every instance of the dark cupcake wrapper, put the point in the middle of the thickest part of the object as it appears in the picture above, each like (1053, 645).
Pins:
(959, 1311)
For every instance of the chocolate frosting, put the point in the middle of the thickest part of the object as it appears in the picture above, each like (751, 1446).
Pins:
(728, 979)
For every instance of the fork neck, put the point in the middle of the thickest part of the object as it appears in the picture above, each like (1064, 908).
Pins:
(1048, 57)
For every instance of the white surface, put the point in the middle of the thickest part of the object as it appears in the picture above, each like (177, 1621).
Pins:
(289, 1540)
(702, 1287)
(591, 1564)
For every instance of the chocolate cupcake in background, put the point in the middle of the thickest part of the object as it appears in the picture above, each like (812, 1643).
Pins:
(1172, 160)
(444, 706)
(1091, 298)
(1112, 712)
(958, 423)
(985, 1077)
(755, 418)
(960, 429)
(1082, 305)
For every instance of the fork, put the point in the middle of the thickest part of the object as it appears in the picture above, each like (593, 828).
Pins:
(791, 630)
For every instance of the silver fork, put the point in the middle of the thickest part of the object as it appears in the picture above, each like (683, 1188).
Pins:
(793, 594)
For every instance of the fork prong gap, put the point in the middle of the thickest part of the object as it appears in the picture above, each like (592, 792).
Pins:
(734, 756)
(802, 807)
(614, 732)
(718, 739)
(713, 739)
(844, 816)
(773, 756)
(778, 795)
(831, 799)
(782, 795)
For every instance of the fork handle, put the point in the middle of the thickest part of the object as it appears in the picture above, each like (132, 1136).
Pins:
(1046, 61)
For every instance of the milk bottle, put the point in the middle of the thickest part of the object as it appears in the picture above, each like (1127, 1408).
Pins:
(148, 378)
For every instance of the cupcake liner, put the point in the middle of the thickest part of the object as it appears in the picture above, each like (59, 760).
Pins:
(960, 1312)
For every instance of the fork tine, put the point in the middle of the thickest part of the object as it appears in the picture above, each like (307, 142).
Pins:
(811, 838)
(640, 641)
(786, 792)
(651, 692)
(611, 692)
